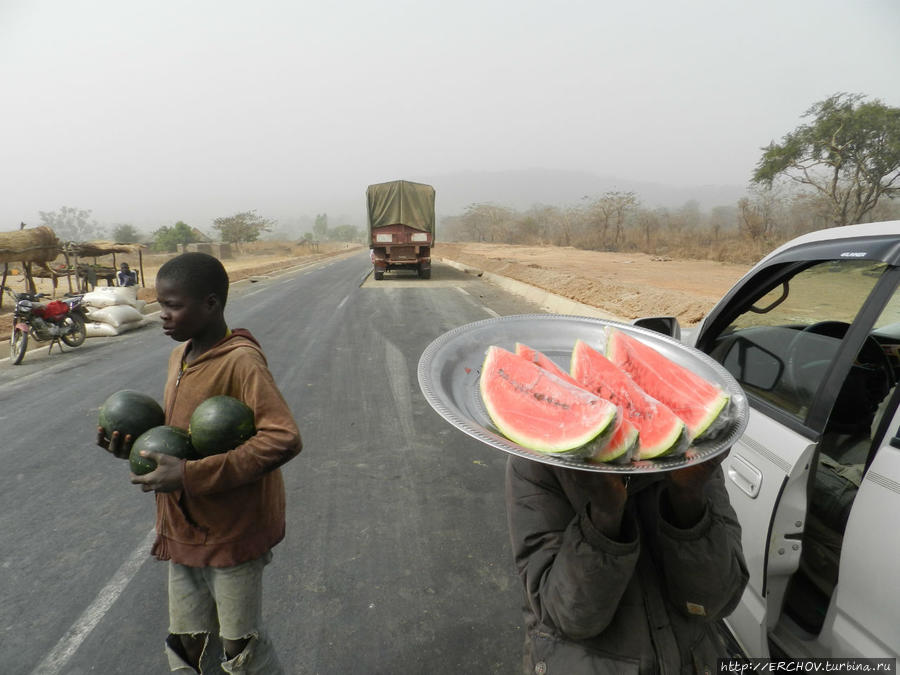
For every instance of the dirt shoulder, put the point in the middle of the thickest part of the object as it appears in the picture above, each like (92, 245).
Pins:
(628, 285)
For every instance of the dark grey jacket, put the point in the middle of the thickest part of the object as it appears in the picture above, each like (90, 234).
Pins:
(644, 604)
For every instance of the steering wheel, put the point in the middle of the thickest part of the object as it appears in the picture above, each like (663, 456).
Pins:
(807, 366)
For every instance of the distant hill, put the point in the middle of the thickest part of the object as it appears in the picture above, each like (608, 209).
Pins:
(518, 189)
(521, 189)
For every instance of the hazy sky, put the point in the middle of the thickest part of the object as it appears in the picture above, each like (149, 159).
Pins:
(153, 111)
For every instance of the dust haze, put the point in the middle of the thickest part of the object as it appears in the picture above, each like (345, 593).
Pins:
(148, 113)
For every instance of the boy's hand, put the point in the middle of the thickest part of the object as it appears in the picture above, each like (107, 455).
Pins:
(608, 495)
(166, 477)
(685, 490)
(116, 446)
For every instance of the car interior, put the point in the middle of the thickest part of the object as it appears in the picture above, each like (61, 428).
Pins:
(844, 452)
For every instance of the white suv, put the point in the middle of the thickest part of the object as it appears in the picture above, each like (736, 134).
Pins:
(812, 333)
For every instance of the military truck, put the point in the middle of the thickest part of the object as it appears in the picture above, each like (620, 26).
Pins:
(401, 227)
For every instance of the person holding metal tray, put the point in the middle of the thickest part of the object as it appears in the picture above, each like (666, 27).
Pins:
(625, 568)
(623, 575)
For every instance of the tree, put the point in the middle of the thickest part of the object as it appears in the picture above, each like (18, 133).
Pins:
(849, 153)
(648, 224)
(488, 222)
(611, 210)
(71, 224)
(170, 238)
(566, 223)
(125, 234)
(320, 229)
(758, 215)
(345, 233)
(241, 227)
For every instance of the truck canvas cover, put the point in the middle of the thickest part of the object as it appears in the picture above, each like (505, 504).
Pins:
(401, 202)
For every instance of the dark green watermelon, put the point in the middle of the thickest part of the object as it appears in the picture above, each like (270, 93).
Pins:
(165, 439)
(131, 413)
(220, 424)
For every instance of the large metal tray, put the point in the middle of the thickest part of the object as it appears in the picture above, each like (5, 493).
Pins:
(450, 367)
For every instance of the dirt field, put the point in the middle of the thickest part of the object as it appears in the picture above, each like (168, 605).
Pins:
(628, 285)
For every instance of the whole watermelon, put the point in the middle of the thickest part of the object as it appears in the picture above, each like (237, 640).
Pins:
(165, 439)
(131, 413)
(220, 424)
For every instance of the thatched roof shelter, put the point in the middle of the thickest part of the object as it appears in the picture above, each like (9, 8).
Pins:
(33, 244)
(94, 249)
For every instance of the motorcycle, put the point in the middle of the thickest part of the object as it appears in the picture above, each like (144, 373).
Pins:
(56, 320)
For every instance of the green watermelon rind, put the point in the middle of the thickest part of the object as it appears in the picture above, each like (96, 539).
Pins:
(714, 420)
(582, 446)
(707, 426)
(113, 414)
(674, 444)
(605, 456)
(209, 440)
(142, 465)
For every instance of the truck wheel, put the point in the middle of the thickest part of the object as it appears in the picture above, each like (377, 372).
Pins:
(379, 275)
(425, 274)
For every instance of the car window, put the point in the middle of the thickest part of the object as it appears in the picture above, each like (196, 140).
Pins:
(781, 347)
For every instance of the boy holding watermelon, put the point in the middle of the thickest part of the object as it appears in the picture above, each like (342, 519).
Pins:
(217, 517)
(623, 575)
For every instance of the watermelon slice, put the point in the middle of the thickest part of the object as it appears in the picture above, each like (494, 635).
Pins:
(623, 439)
(541, 411)
(544, 362)
(660, 431)
(698, 402)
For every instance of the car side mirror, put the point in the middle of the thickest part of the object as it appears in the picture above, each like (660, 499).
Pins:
(667, 325)
(753, 365)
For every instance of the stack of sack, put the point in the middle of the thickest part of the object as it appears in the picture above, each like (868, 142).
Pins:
(113, 310)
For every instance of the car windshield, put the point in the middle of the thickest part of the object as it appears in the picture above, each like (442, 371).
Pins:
(827, 291)
(782, 347)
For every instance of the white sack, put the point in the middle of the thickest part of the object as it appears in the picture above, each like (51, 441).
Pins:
(98, 329)
(131, 325)
(104, 296)
(115, 315)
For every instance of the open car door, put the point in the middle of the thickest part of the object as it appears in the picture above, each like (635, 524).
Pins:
(791, 334)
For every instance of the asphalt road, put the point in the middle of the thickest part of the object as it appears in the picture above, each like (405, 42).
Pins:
(396, 559)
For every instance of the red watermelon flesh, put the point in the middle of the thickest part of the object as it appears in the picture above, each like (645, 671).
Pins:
(623, 440)
(694, 399)
(660, 431)
(544, 362)
(539, 410)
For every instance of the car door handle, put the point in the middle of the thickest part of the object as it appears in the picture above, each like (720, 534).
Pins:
(743, 474)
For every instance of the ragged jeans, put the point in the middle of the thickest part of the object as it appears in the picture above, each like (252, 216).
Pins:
(228, 600)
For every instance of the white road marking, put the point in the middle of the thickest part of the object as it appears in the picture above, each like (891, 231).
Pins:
(343, 302)
(486, 309)
(65, 649)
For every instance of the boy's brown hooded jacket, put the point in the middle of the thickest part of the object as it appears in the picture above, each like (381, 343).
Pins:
(232, 507)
